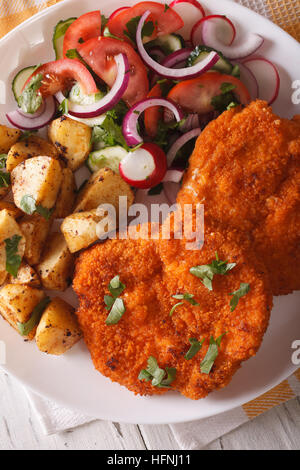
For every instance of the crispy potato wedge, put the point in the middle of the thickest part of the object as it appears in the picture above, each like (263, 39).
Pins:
(8, 137)
(26, 276)
(82, 229)
(58, 329)
(32, 147)
(9, 228)
(35, 229)
(4, 191)
(3, 272)
(66, 196)
(17, 303)
(72, 140)
(39, 177)
(11, 209)
(103, 187)
(57, 264)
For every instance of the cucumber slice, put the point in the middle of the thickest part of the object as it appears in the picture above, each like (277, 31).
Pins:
(20, 80)
(77, 96)
(58, 36)
(169, 43)
(200, 52)
(108, 157)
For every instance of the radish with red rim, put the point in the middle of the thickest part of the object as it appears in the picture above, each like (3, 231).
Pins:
(145, 167)
(190, 11)
(108, 101)
(267, 76)
(249, 79)
(130, 121)
(184, 73)
(226, 29)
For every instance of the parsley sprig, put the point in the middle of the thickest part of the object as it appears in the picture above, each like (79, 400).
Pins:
(226, 99)
(13, 260)
(211, 355)
(194, 349)
(113, 303)
(132, 25)
(29, 206)
(26, 328)
(243, 290)
(188, 297)
(206, 272)
(4, 176)
(159, 377)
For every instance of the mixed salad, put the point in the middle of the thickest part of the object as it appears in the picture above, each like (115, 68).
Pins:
(147, 80)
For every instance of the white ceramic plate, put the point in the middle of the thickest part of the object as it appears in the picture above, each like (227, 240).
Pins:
(71, 380)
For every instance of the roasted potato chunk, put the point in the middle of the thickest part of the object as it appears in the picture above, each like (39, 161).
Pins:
(57, 264)
(11, 209)
(9, 228)
(35, 229)
(17, 303)
(8, 137)
(58, 329)
(103, 187)
(39, 177)
(72, 140)
(4, 191)
(66, 196)
(32, 147)
(82, 229)
(26, 276)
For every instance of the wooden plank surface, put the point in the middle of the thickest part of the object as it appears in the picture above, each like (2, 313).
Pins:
(19, 429)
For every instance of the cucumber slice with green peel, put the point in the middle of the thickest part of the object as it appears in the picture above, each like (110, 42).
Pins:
(201, 52)
(20, 80)
(169, 43)
(58, 36)
(109, 157)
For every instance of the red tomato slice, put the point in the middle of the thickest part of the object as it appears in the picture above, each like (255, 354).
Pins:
(153, 115)
(195, 95)
(59, 75)
(86, 27)
(166, 20)
(99, 55)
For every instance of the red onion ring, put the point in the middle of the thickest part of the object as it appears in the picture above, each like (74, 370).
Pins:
(130, 121)
(28, 123)
(38, 113)
(184, 73)
(108, 101)
(173, 176)
(180, 143)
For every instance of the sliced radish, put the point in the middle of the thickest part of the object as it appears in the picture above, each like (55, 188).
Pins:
(267, 76)
(249, 79)
(145, 167)
(28, 123)
(171, 190)
(245, 46)
(190, 11)
(226, 31)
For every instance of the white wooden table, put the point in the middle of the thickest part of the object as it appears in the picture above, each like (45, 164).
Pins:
(19, 429)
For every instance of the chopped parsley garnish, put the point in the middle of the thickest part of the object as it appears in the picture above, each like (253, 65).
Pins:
(132, 25)
(26, 134)
(73, 54)
(64, 106)
(188, 297)
(211, 355)
(104, 21)
(243, 290)
(13, 260)
(29, 206)
(226, 98)
(4, 176)
(163, 130)
(26, 328)
(81, 41)
(159, 377)
(206, 272)
(30, 100)
(110, 131)
(3, 158)
(113, 303)
(166, 8)
(194, 349)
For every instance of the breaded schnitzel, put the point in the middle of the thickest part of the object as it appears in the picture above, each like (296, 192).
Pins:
(152, 272)
(246, 170)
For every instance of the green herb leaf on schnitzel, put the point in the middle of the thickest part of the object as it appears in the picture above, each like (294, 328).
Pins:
(116, 287)
(194, 349)
(116, 313)
(188, 297)
(174, 308)
(206, 272)
(26, 328)
(243, 290)
(211, 355)
(13, 260)
(160, 377)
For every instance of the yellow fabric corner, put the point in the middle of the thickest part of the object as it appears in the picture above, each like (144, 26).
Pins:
(265, 402)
